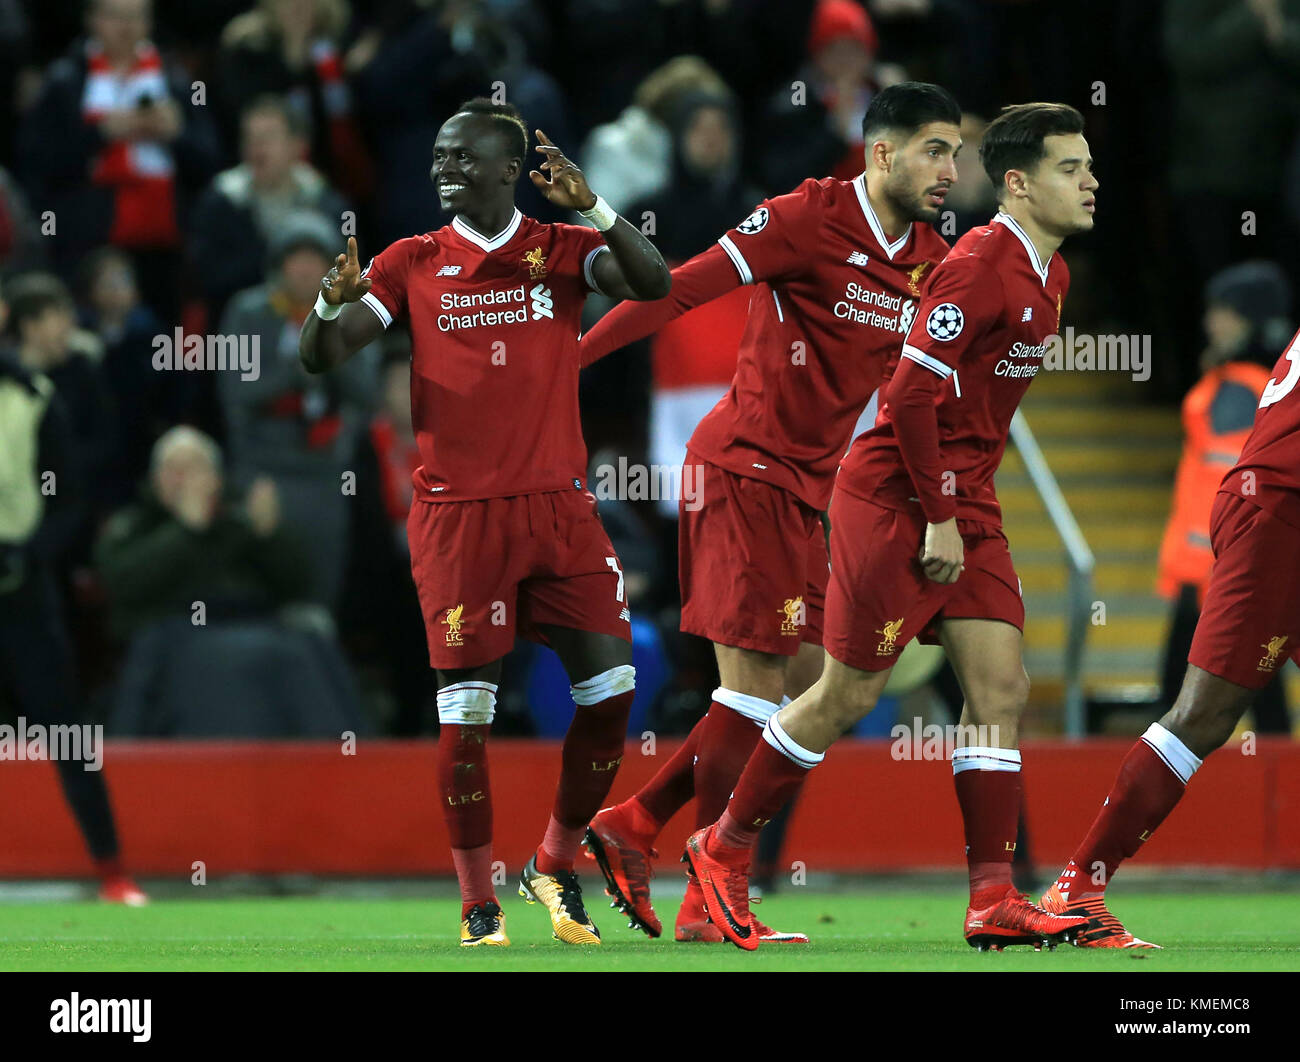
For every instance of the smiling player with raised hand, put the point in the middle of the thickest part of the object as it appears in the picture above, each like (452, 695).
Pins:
(504, 535)
(917, 547)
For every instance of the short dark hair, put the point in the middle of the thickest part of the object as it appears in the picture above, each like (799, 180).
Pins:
(909, 105)
(30, 294)
(269, 102)
(1014, 139)
(507, 119)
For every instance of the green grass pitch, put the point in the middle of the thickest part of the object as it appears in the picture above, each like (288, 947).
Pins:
(880, 929)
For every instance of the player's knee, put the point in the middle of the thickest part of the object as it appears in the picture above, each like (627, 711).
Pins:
(1202, 727)
(843, 709)
(1001, 700)
(608, 684)
(467, 703)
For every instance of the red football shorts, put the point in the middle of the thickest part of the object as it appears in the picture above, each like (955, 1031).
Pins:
(752, 562)
(1250, 622)
(485, 570)
(880, 599)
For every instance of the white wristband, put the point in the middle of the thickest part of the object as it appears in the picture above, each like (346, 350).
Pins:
(324, 310)
(601, 215)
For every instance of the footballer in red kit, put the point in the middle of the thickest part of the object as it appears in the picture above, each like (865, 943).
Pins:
(504, 536)
(916, 540)
(1249, 627)
(837, 270)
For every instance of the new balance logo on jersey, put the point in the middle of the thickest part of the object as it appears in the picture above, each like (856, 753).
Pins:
(857, 258)
(449, 271)
(542, 302)
(1028, 315)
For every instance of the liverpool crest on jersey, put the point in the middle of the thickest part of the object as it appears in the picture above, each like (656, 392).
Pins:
(536, 262)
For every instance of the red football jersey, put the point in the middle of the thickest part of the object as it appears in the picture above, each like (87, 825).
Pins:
(494, 353)
(831, 304)
(1268, 471)
(981, 327)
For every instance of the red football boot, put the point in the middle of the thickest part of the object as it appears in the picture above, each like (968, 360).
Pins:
(121, 889)
(725, 883)
(1012, 919)
(624, 858)
(1103, 929)
(693, 925)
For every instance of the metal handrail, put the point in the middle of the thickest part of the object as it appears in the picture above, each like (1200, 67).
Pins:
(1080, 564)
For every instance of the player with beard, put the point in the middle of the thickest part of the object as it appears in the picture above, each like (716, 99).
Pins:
(837, 269)
(917, 547)
(504, 535)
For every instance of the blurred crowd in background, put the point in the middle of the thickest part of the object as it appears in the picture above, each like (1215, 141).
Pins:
(197, 166)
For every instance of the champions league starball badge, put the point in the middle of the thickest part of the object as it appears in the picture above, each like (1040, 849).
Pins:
(945, 322)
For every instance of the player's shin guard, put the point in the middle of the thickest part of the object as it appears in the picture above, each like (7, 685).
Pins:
(1151, 781)
(731, 730)
(593, 750)
(775, 770)
(465, 712)
(988, 790)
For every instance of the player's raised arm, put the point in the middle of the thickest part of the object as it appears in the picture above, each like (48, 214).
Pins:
(707, 276)
(336, 329)
(635, 269)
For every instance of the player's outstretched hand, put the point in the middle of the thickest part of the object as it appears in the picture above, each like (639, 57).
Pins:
(344, 282)
(567, 186)
(943, 552)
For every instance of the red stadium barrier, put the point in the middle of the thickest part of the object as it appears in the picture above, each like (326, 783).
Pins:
(273, 807)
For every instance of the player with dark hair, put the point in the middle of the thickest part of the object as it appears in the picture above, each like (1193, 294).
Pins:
(504, 535)
(837, 269)
(917, 547)
(1249, 625)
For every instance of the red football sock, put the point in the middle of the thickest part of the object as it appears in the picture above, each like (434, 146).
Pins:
(474, 873)
(673, 785)
(767, 782)
(109, 867)
(467, 808)
(726, 743)
(990, 811)
(593, 749)
(1144, 793)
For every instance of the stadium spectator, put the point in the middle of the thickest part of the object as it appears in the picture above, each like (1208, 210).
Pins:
(42, 317)
(20, 72)
(243, 206)
(615, 52)
(379, 619)
(147, 401)
(814, 128)
(37, 665)
(501, 50)
(20, 233)
(1246, 319)
(1234, 70)
(410, 46)
(693, 358)
(112, 147)
(632, 156)
(971, 199)
(291, 48)
(301, 430)
(203, 588)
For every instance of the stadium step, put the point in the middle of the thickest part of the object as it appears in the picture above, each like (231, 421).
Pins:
(1115, 463)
